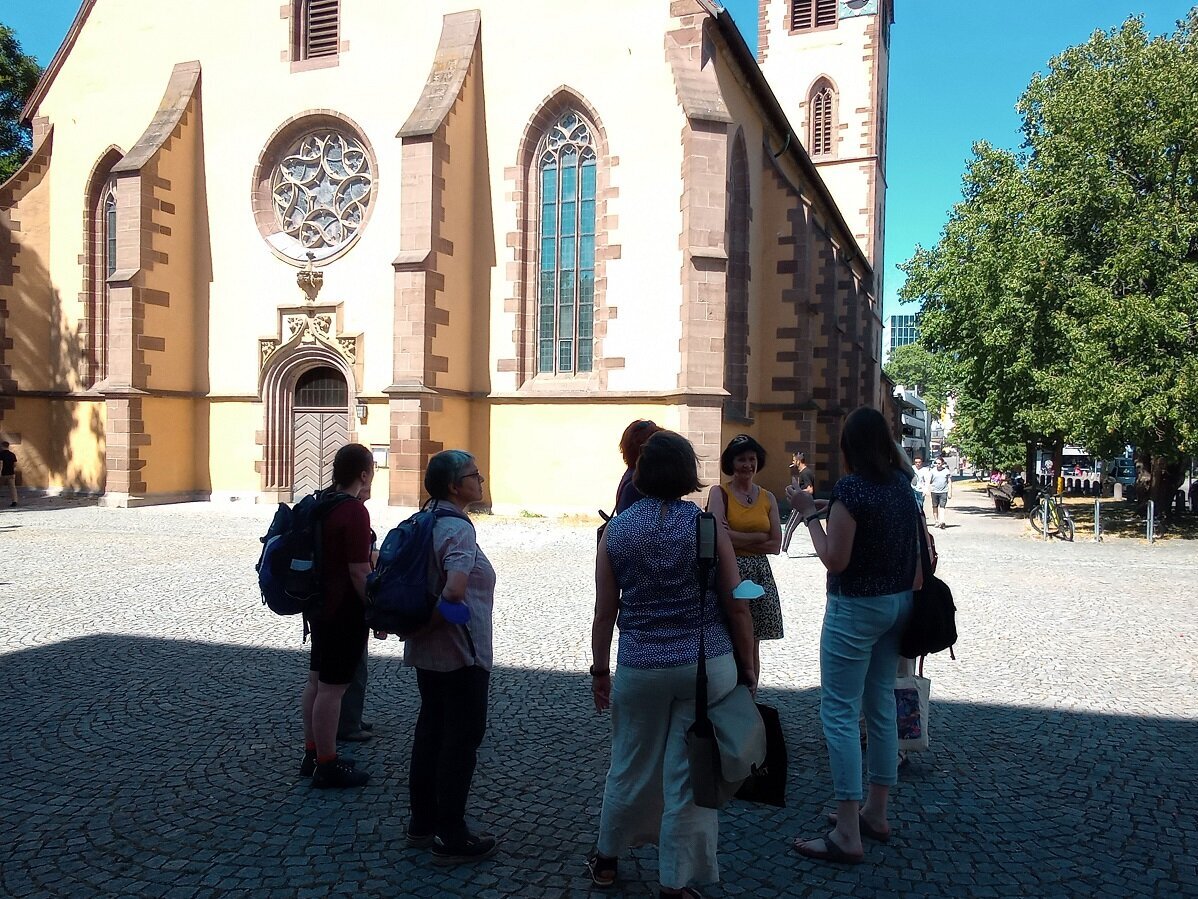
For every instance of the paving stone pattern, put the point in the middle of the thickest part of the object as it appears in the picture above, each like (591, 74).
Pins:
(151, 725)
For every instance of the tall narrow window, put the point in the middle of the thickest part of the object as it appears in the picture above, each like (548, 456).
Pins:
(319, 28)
(566, 279)
(808, 14)
(110, 235)
(822, 107)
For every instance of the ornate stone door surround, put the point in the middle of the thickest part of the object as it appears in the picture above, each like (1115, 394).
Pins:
(309, 336)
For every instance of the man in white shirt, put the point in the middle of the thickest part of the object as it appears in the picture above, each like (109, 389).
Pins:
(919, 483)
(940, 485)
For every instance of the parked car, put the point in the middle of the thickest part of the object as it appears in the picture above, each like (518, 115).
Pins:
(1122, 471)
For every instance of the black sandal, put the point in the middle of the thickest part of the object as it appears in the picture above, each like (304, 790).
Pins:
(602, 869)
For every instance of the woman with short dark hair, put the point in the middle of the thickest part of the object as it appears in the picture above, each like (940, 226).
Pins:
(871, 553)
(631, 441)
(646, 579)
(749, 512)
(453, 672)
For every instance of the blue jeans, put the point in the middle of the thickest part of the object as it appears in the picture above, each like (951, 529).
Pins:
(858, 658)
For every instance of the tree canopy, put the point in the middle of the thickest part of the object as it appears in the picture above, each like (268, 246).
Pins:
(18, 76)
(1065, 284)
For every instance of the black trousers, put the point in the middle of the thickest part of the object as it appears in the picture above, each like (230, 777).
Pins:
(449, 730)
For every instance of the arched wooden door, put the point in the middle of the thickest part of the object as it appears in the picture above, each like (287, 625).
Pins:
(320, 425)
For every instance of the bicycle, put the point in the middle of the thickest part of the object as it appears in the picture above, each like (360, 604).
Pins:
(1060, 523)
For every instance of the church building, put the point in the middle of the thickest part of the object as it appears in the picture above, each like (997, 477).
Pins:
(251, 232)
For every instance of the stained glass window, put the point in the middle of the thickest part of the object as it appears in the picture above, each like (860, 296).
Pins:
(110, 234)
(566, 279)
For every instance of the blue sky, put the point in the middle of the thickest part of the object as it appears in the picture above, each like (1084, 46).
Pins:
(956, 71)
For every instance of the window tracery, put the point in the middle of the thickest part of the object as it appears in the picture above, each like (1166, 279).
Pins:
(567, 170)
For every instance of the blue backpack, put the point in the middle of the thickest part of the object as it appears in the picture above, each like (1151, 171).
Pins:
(289, 567)
(405, 585)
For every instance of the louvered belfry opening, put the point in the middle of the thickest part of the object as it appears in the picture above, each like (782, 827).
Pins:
(321, 28)
(812, 14)
(821, 120)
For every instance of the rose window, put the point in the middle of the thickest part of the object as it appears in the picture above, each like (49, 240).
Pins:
(320, 193)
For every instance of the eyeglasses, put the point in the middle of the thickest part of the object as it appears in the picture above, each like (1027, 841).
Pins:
(474, 474)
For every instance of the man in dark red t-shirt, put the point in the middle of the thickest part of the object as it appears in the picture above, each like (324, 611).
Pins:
(339, 626)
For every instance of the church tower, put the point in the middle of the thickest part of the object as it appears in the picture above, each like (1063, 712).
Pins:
(828, 64)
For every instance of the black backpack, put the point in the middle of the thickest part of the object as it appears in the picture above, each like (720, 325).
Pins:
(289, 572)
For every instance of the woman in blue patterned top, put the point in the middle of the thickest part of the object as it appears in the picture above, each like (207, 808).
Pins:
(871, 553)
(646, 581)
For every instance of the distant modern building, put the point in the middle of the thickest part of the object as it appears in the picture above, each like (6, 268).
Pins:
(901, 330)
(916, 423)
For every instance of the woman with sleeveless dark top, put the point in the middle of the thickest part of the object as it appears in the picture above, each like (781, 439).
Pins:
(871, 553)
(646, 580)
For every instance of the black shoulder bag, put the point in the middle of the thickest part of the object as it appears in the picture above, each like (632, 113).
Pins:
(932, 626)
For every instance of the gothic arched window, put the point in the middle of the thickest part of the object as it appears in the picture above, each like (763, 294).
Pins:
(99, 264)
(821, 105)
(566, 170)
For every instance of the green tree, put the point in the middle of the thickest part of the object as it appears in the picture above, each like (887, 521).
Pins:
(1066, 281)
(914, 365)
(18, 76)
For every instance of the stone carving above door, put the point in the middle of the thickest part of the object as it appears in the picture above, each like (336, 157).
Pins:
(310, 326)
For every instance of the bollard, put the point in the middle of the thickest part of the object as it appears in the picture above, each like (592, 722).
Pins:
(1044, 517)
(1151, 521)
(1097, 519)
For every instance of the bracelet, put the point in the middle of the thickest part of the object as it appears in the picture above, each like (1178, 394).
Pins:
(599, 672)
(810, 518)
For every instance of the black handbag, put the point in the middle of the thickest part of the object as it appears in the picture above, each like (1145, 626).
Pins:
(767, 783)
(932, 626)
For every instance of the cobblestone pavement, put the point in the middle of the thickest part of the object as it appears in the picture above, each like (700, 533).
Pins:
(151, 733)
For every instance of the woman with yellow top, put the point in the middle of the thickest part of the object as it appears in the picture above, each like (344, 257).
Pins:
(750, 512)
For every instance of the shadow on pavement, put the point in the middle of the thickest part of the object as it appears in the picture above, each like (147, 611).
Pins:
(145, 767)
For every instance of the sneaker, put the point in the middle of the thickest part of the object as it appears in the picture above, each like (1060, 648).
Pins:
(472, 849)
(308, 765)
(337, 774)
(419, 840)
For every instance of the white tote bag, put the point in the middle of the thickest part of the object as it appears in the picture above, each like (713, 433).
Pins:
(912, 693)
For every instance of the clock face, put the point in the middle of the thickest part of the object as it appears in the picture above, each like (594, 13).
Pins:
(851, 8)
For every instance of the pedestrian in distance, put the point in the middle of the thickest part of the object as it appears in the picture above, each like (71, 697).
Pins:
(802, 478)
(453, 664)
(338, 625)
(870, 552)
(750, 514)
(8, 472)
(940, 487)
(646, 582)
(919, 482)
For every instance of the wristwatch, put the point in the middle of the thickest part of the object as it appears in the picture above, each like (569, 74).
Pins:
(599, 672)
(810, 518)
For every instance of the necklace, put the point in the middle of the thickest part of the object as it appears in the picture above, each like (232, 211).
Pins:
(747, 495)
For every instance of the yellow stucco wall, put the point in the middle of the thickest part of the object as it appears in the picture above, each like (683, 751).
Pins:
(558, 458)
(59, 443)
(233, 450)
(170, 455)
